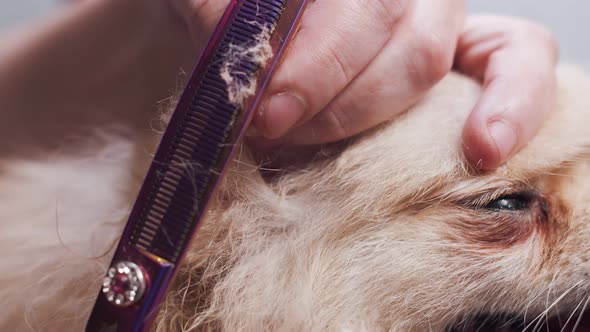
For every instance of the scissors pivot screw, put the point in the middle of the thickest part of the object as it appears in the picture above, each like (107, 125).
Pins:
(124, 284)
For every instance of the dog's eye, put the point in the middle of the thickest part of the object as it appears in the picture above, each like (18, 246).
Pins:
(512, 202)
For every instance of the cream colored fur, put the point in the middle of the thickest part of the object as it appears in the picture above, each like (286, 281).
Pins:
(376, 238)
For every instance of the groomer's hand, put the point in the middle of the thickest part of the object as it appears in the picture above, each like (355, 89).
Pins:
(515, 59)
(354, 66)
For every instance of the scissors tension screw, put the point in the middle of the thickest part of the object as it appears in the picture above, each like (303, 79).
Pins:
(124, 284)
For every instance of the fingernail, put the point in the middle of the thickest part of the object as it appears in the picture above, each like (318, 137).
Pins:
(504, 137)
(281, 113)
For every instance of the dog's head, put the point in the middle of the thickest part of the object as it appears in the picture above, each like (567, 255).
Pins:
(398, 232)
(436, 240)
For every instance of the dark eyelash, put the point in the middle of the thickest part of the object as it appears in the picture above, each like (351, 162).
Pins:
(480, 201)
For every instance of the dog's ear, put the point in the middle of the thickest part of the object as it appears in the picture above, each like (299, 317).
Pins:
(565, 135)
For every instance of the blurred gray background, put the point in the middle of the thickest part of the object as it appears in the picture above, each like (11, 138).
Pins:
(19, 11)
(569, 19)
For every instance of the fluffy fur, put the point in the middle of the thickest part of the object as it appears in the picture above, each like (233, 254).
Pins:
(390, 234)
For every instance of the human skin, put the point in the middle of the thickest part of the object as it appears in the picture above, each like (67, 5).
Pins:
(347, 60)
(344, 62)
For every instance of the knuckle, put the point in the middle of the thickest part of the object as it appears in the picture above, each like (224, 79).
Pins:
(538, 34)
(529, 30)
(387, 12)
(523, 32)
(341, 65)
(338, 124)
(432, 58)
(546, 37)
(333, 62)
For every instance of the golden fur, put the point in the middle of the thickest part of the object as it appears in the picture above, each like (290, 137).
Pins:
(393, 233)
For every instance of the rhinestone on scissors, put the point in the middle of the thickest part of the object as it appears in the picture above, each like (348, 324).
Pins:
(124, 284)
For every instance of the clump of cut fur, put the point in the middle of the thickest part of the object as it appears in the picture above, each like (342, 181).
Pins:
(240, 85)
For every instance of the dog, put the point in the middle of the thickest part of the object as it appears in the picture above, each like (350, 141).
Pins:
(390, 231)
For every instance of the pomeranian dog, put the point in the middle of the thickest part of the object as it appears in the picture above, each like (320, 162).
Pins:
(392, 232)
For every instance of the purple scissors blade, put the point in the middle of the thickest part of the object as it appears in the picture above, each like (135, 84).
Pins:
(208, 122)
